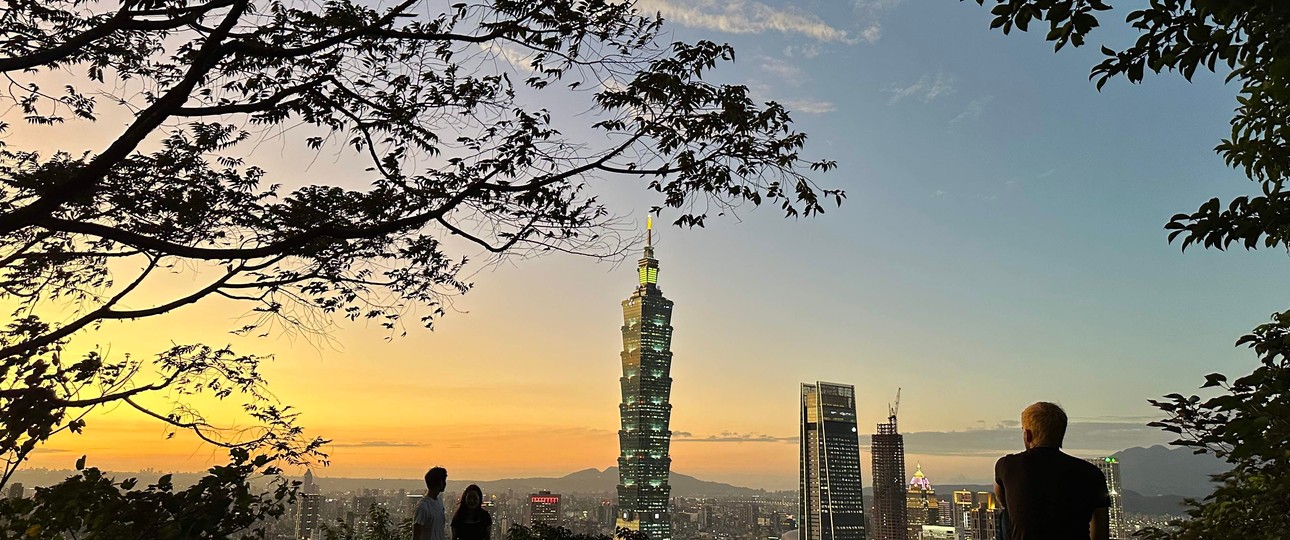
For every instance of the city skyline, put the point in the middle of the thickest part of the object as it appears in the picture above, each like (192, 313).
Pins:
(971, 225)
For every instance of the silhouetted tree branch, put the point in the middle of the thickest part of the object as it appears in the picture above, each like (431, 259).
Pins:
(451, 114)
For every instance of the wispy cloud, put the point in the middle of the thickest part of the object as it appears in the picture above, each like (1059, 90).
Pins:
(927, 89)
(1004, 437)
(377, 444)
(983, 439)
(782, 70)
(869, 13)
(805, 50)
(512, 55)
(973, 111)
(875, 5)
(810, 106)
(52, 450)
(745, 17)
(732, 437)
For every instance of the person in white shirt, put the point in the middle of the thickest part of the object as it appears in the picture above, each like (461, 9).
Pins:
(429, 521)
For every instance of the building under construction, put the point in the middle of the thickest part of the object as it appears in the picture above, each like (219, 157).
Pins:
(890, 517)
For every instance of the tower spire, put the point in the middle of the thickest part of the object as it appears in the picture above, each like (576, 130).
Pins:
(647, 267)
(649, 231)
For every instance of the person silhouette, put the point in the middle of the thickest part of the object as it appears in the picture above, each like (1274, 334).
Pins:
(471, 521)
(1047, 494)
(428, 521)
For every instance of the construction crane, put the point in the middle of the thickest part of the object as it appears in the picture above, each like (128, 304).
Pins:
(893, 409)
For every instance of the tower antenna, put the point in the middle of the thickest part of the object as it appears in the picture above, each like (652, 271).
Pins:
(649, 230)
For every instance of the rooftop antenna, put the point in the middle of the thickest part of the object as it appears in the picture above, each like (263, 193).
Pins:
(649, 230)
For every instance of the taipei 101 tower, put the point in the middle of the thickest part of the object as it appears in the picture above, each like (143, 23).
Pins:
(644, 437)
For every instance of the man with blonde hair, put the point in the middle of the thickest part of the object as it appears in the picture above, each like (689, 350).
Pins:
(1049, 495)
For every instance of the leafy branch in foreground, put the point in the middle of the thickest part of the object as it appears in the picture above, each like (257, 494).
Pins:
(225, 503)
(451, 112)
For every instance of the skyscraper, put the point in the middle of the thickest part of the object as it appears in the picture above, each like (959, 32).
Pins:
(976, 515)
(308, 507)
(986, 519)
(644, 438)
(963, 503)
(831, 500)
(1111, 469)
(544, 507)
(888, 451)
(923, 508)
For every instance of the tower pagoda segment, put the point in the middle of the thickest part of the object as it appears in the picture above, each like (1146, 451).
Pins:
(644, 459)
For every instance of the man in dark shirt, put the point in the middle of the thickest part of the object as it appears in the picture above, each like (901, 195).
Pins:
(1048, 494)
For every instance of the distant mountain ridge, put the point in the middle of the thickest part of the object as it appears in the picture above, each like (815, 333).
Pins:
(600, 481)
(1160, 470)
(586, 481)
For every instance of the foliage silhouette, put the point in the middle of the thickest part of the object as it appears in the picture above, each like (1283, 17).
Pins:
(542, 531)
(90, 506)
(452, 115)
(1248, 424)
(379, 526)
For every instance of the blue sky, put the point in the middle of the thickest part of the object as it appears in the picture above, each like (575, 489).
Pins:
(1002, 241)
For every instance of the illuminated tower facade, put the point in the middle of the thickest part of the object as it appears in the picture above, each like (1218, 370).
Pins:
(544, 507)
(644, 437)
(923, 508)
(1110, 468)
(831, 500)
(888, 451)
(977, 516)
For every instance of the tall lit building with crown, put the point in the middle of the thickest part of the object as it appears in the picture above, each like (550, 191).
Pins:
(922, 506)
(644, 437)
(1110, 468)
(831, 500)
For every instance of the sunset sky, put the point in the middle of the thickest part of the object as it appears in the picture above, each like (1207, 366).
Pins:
(1001, 243)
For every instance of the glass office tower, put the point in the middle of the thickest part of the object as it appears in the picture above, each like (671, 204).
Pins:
(831, 499)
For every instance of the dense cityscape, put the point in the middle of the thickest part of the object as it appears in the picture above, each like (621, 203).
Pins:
(962, 515)
(830, 503)
(959, 514)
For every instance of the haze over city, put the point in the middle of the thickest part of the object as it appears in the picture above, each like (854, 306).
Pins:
(1001, 243)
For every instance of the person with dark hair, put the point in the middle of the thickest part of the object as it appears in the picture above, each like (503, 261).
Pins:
(1048, 494)
(471, 521)
(428, 524)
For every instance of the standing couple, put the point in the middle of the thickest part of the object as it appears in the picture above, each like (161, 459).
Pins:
(469, 522)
